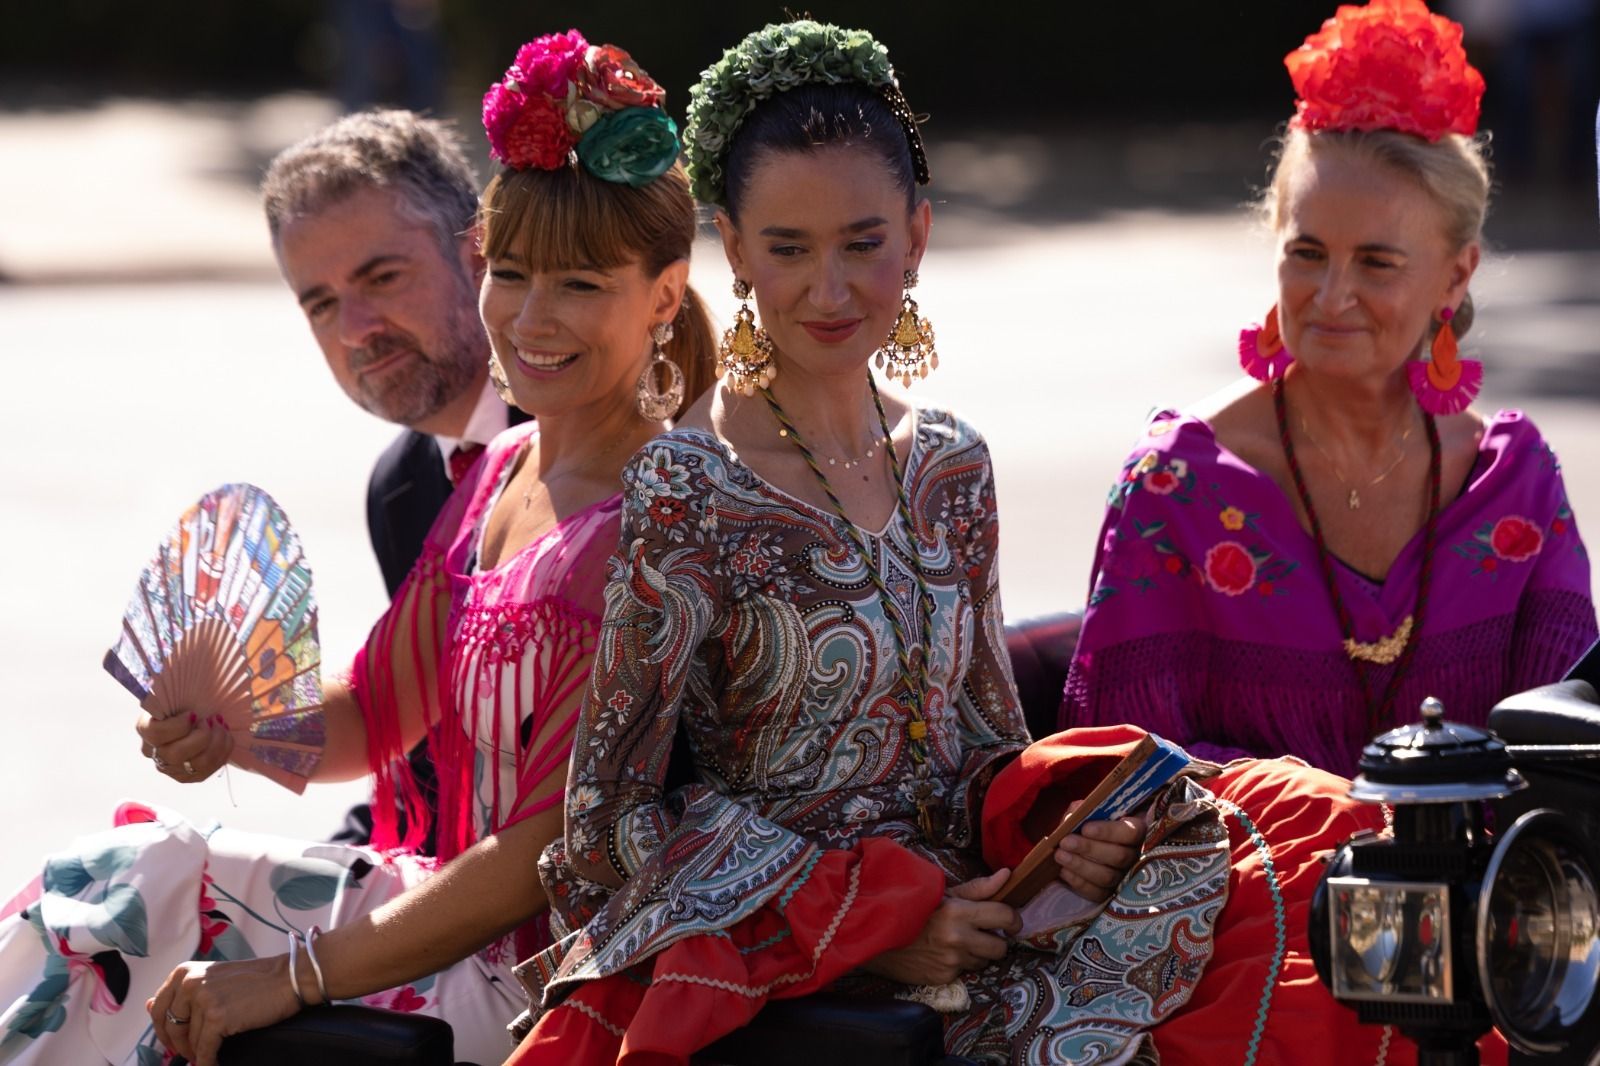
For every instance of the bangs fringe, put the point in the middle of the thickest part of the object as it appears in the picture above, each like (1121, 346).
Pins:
(557, 220)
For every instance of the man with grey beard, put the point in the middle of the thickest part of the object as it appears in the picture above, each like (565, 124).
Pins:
(371, 220)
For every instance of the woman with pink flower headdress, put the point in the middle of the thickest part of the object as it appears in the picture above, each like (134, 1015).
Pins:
(1293, 565)
(158, 934)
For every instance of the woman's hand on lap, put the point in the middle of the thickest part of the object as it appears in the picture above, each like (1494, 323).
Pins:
(185, 747)
(1095, 858)
(961, 936)
(215, 1000)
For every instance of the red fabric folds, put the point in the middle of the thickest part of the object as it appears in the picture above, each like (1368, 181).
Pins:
(850, 906)
(1068, 763)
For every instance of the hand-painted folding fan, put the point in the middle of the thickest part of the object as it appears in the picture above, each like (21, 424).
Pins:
(223, 622)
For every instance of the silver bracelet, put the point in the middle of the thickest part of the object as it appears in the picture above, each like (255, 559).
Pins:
(316, 967)
(294, 979)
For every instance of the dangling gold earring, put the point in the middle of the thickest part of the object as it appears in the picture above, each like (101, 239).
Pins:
(657, 405)
(745, 353)
(909, 350)
(497, 378)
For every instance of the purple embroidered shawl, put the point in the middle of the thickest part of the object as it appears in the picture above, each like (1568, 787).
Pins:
(1209, 621)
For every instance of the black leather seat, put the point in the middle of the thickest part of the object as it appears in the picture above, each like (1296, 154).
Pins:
(343, 1033)
(1567, 712)
(834, 1030)
(1041, 651)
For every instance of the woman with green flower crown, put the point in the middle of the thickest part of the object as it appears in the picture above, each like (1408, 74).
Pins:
(806, 601)
(585, 235)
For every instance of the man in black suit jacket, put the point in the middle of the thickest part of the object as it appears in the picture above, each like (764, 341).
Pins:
(372, 222)
(407, 488)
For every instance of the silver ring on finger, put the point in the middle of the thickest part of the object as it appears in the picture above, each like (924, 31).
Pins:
(160, 763)
(173, 1019)
(188, 767)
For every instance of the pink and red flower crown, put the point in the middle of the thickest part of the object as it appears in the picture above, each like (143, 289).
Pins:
(1391, 65)
(563, 95)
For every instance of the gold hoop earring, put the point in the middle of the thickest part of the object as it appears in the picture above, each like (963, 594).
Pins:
(658, 405)
(746, 354)
(909, 351)
(497, 378)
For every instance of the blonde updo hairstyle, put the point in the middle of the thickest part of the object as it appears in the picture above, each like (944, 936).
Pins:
(568, 219)
(1454, 171)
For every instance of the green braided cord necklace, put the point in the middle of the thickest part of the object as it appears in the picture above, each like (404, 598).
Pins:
(912, 658)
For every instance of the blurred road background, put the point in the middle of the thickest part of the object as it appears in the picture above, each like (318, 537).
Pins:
(1091, 259)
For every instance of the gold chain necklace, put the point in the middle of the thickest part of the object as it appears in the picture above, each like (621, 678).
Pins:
(1353, 501)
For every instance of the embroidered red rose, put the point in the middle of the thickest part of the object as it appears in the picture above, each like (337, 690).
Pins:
(1173, 564)
(1391, 64)
(1488, 564)
(1230, 568)
(1516, 539)
(1265, 588)
(1559, 526)
(1161, 482)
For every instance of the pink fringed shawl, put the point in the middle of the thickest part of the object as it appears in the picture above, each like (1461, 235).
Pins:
(495, 661)
(1210, 624)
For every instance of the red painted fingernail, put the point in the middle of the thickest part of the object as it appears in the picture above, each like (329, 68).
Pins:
(193, 718)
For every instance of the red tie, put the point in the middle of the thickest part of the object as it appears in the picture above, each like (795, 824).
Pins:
(461, 461)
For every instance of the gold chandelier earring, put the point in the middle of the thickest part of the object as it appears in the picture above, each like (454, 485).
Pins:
(745, 354)
(909, 351)
(657, 404)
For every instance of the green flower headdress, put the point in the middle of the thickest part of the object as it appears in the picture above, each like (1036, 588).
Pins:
(775, 59)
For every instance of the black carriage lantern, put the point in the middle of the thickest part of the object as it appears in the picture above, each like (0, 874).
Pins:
(1448, 926)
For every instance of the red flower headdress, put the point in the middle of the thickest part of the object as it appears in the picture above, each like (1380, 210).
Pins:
(563, 95)
(1391, 65)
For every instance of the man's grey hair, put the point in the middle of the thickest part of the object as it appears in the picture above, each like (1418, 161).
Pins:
(418, 158)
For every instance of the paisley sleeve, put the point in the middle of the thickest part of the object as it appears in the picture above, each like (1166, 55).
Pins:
(988, 711)
(662, 596)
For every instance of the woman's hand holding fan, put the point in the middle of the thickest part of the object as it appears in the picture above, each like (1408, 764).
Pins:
(219, 644)
(185, 747)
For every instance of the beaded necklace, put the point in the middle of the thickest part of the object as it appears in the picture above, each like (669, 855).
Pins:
(912, 658)
(1402, 643)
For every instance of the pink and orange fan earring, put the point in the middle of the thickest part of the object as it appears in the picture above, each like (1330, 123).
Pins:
(1262, 354)
(1446, 383)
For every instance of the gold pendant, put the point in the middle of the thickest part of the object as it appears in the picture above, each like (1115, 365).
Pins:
(1384, 651)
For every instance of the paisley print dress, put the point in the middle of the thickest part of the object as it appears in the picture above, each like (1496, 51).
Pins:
(742, 626)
